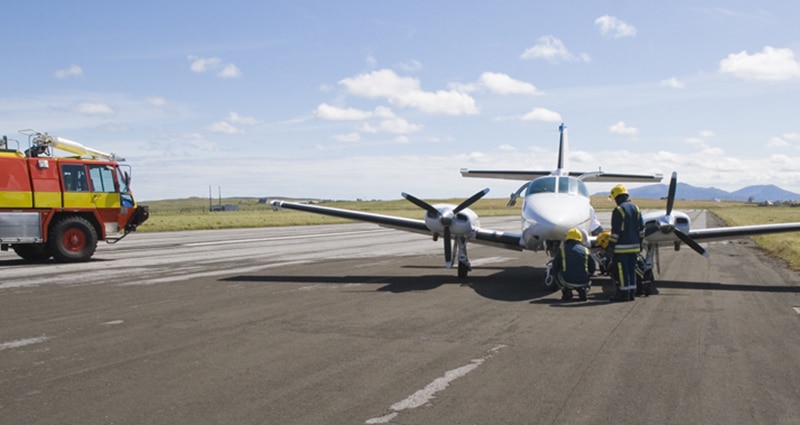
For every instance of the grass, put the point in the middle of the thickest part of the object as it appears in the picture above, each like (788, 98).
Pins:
(193, 214)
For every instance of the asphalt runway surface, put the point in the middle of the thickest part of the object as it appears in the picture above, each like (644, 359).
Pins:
(357, 324)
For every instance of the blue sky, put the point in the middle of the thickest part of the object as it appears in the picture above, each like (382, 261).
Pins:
(366, 99)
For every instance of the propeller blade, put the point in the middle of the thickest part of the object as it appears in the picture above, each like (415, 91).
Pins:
(691, 242)
(471, 200)
(673, 185)
(420, 203)
(448, 254)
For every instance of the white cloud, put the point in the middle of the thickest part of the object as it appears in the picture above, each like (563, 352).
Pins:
(771, 64)
(203, 65)
(371, 61)
(673, 82)
(395, 126)
(93, 108)
(552, 50)
(507, 148)
(156, 101)
(333, 113)
(348, 138)
(623, 129)
(411, 66)
(72, 71)
(613, 27)
(707, 133)
(777, 142)
(227, 126)
(224, 127)
(230, 71)
(503, 84)
(240, 119)
(792, 136)
(542, 114)
(406, 92)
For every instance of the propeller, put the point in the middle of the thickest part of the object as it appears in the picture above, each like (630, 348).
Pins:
(445, 217)
(668, 225)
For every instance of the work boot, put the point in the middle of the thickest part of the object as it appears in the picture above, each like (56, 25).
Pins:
(582, 294)
(566, 294)
(620, 296)
(631, 295)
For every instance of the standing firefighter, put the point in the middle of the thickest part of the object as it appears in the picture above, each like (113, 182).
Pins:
(574, 266)
(625, 242)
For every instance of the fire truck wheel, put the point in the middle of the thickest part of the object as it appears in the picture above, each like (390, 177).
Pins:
(72, 239)
(33, 252)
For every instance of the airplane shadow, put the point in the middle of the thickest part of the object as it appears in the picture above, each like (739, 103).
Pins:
(506, 284)
(716, 286)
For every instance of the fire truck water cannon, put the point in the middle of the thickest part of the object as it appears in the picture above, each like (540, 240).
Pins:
(60, 207)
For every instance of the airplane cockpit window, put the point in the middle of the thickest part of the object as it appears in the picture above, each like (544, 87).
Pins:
(553, 184)
(577, 186)
(542, 185)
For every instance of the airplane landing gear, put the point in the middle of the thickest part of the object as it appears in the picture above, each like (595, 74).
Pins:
(460, 250)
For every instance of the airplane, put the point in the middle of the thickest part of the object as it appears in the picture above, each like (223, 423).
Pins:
(554, 201)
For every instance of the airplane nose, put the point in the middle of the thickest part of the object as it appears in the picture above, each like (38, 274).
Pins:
(550, 219)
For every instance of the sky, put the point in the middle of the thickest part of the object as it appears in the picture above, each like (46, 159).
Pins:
(367, 99)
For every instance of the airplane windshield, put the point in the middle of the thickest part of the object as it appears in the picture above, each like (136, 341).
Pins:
(553, 184)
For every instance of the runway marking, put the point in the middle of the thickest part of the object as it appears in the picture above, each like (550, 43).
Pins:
(185, 276)
(22, 342)
(283, 238)
(796, 310)
(425, 395)
(489, 260)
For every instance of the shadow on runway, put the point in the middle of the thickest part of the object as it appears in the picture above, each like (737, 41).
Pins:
(506, 284)
(706, 286)
(512, 284)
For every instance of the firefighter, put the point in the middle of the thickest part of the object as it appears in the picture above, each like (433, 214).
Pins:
(573, 266)
(625, 242)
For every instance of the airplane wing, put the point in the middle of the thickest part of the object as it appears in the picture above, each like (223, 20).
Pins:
(494, 238)
(736, 232)
(593, 176)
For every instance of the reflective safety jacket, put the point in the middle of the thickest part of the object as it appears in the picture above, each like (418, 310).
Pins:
(573, 264)
(626, 228)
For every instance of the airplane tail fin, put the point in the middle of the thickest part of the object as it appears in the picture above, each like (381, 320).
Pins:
(562, 147)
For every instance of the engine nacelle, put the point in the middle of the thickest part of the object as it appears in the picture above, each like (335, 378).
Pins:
(462, 224)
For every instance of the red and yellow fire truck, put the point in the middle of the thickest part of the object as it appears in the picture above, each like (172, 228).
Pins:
(61, 206)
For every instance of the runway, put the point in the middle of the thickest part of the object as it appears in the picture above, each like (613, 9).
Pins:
(357, 324)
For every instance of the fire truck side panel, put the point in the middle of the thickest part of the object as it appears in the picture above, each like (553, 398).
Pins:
(15, 185)
(46, 184)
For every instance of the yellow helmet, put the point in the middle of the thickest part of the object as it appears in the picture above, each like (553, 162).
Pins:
(618, 190)
(602, 239)
(574, 234)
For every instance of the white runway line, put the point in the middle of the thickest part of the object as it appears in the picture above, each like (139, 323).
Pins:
(22, 342)
(425, 395)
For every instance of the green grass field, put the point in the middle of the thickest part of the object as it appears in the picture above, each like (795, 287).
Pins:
(193, 214)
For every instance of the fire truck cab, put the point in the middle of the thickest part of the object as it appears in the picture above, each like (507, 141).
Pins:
(60, 207)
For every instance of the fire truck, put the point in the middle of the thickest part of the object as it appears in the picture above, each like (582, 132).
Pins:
(60, 207)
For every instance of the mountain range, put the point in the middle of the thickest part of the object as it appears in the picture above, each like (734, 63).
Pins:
(756, 193)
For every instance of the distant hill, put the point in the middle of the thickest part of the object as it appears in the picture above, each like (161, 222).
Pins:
(757, 193)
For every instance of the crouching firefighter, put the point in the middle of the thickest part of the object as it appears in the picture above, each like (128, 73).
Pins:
(574, 266)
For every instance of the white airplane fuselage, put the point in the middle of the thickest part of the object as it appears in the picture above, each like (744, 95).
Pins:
(552, 206)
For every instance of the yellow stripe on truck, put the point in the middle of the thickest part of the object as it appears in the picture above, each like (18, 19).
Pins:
(9, 199)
